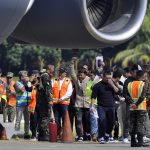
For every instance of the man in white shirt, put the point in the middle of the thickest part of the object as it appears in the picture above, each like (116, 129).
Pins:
(62, 90)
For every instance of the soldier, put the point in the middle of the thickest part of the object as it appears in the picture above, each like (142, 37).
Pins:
(10, 108)
(138, 110)
(44, 102)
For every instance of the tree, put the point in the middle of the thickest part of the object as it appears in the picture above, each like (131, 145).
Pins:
(88, 57)
(15, 57)
(139, 55)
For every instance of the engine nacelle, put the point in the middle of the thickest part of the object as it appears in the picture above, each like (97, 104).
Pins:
(81, 23)
(11, 12)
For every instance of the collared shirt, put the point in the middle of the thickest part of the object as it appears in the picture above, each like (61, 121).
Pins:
(69, 90)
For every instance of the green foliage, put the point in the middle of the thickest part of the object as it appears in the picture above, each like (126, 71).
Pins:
(88, 57)
(15, 57)
(140, 55)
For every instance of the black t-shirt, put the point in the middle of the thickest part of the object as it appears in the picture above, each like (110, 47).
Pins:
(104, 93)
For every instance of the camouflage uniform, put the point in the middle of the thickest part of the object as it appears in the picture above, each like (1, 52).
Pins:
(137, 121)
(44, 96)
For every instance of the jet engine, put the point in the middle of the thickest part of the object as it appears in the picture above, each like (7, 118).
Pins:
(11, 13)
(80, 23)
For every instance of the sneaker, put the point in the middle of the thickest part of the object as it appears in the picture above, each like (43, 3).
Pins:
(116, 140)
(101, 140)
(125, 141)
(80, 139)
(111, 140)
(33, 139)
(146, 139)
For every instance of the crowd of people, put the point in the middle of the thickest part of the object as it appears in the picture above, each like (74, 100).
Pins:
(104, 105)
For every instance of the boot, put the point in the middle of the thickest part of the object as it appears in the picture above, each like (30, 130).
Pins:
(133, 141)
(43, 136)
(141, 142)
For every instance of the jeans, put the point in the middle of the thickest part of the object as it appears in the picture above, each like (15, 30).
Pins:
(106, 120)
(94, 123)
(59, 113)
(19, 111)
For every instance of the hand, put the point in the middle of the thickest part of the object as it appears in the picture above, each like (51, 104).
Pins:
(74, 59)
(110, 82)
(133, 106)
(51, 103)
(92, 109)
(122, 99)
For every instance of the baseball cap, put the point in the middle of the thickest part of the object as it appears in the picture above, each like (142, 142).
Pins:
(10, 74)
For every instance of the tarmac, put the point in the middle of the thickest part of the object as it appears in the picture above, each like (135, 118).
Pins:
(28, 145)
(22, 144)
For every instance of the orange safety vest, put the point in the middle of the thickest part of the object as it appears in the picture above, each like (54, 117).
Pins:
(3, 90)
(11, 99)
(135, 89)
(59, 93)
(32, 104)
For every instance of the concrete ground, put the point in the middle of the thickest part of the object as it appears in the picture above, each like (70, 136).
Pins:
(28, 145)
(22, 144)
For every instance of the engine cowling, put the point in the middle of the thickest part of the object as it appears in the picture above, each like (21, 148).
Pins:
(81, 23)
(11, 12)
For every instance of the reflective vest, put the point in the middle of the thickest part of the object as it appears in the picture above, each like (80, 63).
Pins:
(32, 104)
(3, 90)
(23, 99)
(89, 88)
(11, 99)
(59, 93)
(135, 89)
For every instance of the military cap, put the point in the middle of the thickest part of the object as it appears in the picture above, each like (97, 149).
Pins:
(10, 74)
